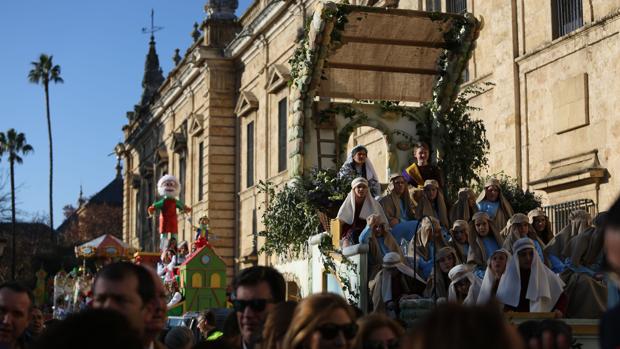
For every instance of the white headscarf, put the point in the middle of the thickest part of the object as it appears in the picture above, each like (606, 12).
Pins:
(346, 213)
(370, 169)
(459, 273)
(394, 260)
(544, 287)
(489, 280)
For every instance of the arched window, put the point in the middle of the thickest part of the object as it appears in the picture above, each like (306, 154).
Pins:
(216, 281)
(197, 280)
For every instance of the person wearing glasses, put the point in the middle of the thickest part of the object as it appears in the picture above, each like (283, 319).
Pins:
(322, 320)
(378, 331)
(256, 291)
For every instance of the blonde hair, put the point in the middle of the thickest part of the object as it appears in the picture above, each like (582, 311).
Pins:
(312, 312)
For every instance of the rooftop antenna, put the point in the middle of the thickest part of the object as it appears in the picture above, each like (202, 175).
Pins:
(153, 28)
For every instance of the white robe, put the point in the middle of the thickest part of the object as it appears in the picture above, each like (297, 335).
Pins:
(544, 287)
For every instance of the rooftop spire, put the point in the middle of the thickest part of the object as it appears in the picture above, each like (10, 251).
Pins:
(81, 199)
(153, 75)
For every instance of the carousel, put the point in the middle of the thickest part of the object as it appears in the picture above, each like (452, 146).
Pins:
(72, 290)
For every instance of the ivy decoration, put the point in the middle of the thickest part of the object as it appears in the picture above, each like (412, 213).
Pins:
(347, 267)
(290, 219)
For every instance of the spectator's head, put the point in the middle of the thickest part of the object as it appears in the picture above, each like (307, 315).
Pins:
(452, 326)
(206, 321)
(179, 337)
(256, 290)
(532, 332)
(128, 289)
(36, 321)
(612, 237)
(16, 302)
(231, 327)
(277, 324)
(322, 320)
(377, 331)
(93, 329)
(157, 322)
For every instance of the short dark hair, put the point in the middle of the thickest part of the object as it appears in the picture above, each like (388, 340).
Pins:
(613, 215)
(100, 328)
(209, 316)
(19, 288)
(121, 270)
(254, 275)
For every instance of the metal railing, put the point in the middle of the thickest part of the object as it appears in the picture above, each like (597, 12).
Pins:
(567, 16)
(433, 5)
(456, 6)
(558, 214)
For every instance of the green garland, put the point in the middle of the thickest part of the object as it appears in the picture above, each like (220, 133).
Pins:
(327, 252)
(291, 218)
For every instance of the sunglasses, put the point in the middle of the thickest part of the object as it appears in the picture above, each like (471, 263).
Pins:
(330, 331)
(255, 304)
(393, 343)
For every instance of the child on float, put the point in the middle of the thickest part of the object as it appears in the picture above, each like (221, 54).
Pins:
(464, 286)
(427, 240)
(484, 240)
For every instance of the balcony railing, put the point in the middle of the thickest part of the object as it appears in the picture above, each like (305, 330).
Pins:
(558, 214)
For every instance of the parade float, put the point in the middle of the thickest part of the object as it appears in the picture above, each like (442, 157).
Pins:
(202, 281)
(201, 277)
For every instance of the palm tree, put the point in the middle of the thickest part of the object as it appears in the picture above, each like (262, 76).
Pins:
(13, 144)
(43, 72)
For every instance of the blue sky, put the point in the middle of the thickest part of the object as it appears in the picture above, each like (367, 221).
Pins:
(101, 49)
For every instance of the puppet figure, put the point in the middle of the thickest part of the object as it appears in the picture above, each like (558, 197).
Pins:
(168, 187)
(202, 232)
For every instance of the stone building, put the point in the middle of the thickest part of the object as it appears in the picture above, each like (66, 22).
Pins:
(550, 116)
(219, 120)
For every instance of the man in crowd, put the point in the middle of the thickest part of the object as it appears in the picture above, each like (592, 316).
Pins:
(156, 324)
(16, 303)
(256, 291)
(610, 322)
(36, 322)
(128, 289)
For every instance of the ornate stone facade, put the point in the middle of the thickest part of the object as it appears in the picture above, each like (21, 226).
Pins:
(215, 122)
